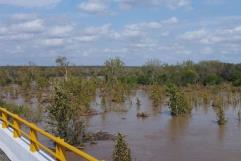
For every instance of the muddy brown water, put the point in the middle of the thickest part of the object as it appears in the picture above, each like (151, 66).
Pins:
(161, 137)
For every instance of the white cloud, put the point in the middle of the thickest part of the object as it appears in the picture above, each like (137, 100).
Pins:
(21, 30)
(97, 30)
(143, 28)
(52, 42)
(153, 24)
(17, 37)
(238, 28)
(94, 6)
(92, 33)
(171, 39)
(170, 21)
(29, 26)
(173, 4)
(3, 30)
(128, 32)
(23, 17)
(60, 30)
(217, 36)
(103, 6)
(29, 3)
(148, 46)
(194, 35)
(86, 38)
(150, 25)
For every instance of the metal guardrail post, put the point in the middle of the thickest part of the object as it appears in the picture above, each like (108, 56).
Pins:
(4, 119)
(33, 140)
(16, 128)
(60, 151)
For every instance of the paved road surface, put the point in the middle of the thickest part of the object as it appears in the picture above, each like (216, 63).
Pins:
(3, 156)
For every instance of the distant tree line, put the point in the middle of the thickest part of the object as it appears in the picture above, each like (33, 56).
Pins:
(115, 71)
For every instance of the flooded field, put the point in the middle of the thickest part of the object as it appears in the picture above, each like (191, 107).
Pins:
(161, 137)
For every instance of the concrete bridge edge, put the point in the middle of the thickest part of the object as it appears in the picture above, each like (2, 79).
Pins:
(17, 149)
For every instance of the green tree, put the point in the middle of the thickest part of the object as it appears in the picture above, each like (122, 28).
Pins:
(156, 94)
(151, 71)
(121, 150)
(189, 76)
(63, 63)
(64, 118)
(114, 86)
(81, 92)
(60, 112)
(177, 101)
(212, 79)
(113, 69)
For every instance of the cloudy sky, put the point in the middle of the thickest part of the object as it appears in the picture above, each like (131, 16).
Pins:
(88, 32)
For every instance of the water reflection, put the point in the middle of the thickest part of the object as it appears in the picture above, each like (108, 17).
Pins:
(177, 127)
(221, 132)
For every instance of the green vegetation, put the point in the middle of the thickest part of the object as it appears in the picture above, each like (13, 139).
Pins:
(63, 63)
(60, 112)
(114, 70)
(219, 109)
(17, 109)
(156, 94)
(177, 101)
(121, 150)
(23, 110)
(63, 118)
(114, 87)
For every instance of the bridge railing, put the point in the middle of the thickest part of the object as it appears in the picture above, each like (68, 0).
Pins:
(14, 121)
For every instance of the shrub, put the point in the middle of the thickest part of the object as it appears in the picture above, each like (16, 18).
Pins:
(156, 94)
(64, 118)
(237, 82)
(16, 109)
(177, 101)
(219, 109)
(121, 150)
(212, 79)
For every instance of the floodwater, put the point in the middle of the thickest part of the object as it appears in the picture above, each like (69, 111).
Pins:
(161, 137)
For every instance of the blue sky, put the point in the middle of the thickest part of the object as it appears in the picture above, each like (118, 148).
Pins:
(88, 32)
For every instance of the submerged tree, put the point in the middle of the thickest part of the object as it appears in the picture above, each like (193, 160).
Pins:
(81, 92)
(121, 150)
(114, 87)
(60, 112)
(219, 109)
(138, 102)
(239, 115)
(156, 94)
(63, 118)
(177, 101)
(113, 70)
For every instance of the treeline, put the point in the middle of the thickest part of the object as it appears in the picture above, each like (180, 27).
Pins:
(153, 72)
(205, 73)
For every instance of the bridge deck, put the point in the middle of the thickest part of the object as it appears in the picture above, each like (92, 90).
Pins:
(3, 156)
